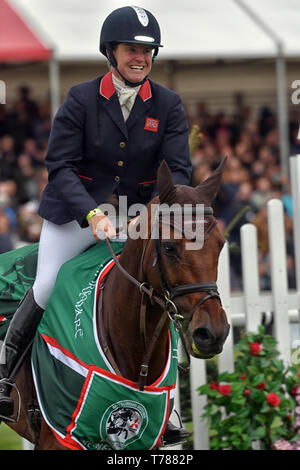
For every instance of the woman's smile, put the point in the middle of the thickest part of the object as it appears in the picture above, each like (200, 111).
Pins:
(134, 61)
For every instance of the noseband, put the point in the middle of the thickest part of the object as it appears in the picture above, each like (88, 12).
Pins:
(166, 302)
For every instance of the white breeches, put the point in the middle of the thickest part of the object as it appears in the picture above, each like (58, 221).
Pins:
(58, 244)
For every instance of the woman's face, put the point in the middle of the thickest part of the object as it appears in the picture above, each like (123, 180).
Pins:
(134, 61)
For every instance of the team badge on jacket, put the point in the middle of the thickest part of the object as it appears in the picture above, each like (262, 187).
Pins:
(151, 124)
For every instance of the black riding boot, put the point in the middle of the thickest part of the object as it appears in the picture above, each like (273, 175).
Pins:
(21, 331)
(173, 435)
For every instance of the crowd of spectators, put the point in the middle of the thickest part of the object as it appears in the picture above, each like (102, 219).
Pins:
(251, 178)
(24, 133)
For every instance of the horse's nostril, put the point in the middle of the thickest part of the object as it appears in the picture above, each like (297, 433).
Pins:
(203, 334)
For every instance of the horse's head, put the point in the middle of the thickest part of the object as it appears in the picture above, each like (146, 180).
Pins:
(183, 269)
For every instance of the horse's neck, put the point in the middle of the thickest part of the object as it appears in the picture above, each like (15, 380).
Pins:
(121, 318)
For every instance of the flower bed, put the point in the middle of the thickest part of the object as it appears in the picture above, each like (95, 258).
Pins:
(260, 401)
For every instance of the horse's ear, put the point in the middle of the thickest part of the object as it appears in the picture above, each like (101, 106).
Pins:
(165, 185)
(209, 188)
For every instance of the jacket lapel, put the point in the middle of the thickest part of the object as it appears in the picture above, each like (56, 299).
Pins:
(111, 103)
(112, 106)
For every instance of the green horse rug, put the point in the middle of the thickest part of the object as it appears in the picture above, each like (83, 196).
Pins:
(85, 403)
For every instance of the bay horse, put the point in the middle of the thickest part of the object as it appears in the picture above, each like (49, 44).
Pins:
(154, 282)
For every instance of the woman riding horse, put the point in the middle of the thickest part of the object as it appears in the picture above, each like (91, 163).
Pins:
(107, 138)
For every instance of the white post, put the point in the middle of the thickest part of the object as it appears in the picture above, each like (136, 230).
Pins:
(226, 358)
(279, 278)
(250, 276)
(295, 187)
(177, 407)
(198, 378)
(54, 82)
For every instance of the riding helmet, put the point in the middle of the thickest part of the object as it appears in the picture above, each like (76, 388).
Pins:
(132, 25)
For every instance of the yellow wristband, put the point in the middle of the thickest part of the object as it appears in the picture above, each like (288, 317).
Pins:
(92, 213)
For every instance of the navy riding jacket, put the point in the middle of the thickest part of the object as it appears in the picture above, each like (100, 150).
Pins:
(92, 152)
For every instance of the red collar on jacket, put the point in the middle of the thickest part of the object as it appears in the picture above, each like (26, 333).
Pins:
(107, 88)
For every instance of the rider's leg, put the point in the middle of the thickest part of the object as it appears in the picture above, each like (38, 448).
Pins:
(57, 245)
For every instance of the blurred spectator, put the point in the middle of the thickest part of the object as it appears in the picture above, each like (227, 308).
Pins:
(261, 193)
(7, 157)
(26, 102)
(6, 208)
(6, 241)
(30, 222)
(19, 125)
(3, 121)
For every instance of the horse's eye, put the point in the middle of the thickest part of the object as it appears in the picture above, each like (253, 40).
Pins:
(170, 248)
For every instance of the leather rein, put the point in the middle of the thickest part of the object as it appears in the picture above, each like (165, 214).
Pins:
(165, 302)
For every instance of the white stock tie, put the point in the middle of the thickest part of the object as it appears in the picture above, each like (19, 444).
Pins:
(126, 96)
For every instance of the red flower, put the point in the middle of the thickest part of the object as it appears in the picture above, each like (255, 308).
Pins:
(273, 399)
(243, 376)
(295, 390)
(247, 392)
(214, 386)
(255, 348)
(261, 386)
(225, 389)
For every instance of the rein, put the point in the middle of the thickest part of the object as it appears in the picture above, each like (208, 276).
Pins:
(167, 304)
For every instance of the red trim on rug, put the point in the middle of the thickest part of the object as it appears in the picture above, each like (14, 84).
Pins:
(53, 342)
(66, 442)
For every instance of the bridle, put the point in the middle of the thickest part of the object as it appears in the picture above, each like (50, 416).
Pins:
(169, 293)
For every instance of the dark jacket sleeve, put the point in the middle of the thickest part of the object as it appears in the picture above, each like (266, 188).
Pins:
(65, 152)
(175, 146)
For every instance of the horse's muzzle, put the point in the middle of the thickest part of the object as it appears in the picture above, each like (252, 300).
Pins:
(206, 341)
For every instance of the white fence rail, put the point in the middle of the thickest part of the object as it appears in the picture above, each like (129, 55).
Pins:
(247, 308)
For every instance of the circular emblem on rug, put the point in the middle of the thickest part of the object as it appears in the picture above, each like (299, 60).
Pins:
(123, 423)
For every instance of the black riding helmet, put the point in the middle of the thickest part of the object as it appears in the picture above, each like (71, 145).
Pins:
(132, 25)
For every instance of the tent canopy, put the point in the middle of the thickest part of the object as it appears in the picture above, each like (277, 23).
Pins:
(194, 29)
(18, 41)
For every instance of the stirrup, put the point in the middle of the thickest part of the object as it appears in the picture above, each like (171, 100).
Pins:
(14, 419)
(164, 443)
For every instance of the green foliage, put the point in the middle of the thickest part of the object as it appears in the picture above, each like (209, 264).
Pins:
(256, 402)
(195, 138)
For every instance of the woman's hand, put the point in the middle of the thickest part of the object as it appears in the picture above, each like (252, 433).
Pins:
(101, 223)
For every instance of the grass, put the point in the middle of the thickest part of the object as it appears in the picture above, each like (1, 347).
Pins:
(9, 439)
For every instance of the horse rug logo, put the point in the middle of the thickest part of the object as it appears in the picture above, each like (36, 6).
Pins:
(123, 423)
